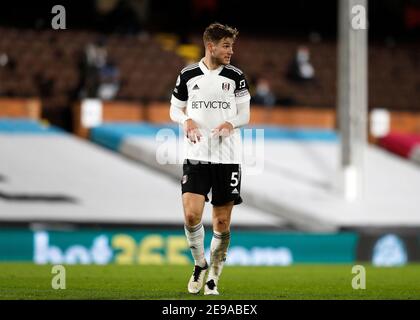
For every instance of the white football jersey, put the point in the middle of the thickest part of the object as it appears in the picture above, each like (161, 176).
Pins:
(210, 98)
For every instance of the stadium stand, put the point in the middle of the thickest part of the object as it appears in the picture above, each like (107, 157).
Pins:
(42, 66)
(51, 178)
(46, 65)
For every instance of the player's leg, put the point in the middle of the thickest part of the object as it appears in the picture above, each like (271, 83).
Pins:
(195, 186)
(219, 245)
(226, 189)
(194, 231)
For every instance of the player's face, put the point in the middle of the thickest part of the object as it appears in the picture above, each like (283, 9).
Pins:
(222, 51)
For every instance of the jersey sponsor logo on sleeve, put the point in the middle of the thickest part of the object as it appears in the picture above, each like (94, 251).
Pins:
(241, 93)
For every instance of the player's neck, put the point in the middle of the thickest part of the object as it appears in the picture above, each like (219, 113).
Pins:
(210, 63)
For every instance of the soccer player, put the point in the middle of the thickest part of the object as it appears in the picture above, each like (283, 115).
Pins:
(211, 101)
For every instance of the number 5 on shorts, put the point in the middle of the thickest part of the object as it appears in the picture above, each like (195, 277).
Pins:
(234, 179)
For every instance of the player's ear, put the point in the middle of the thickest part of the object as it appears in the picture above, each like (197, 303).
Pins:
(209, 46)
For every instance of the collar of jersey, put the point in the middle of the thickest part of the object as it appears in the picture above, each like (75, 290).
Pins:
(206, 70)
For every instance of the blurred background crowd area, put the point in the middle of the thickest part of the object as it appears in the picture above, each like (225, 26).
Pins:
(133, 50)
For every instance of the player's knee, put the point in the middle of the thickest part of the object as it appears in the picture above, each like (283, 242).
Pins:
(222, 223)
(192, 218)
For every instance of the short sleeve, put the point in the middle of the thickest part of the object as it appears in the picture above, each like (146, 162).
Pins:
(180, 92)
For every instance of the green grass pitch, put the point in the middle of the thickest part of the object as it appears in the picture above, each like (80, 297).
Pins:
(29, 281)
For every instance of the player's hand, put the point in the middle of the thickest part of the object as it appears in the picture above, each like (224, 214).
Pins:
(191, 131)
(224, 130)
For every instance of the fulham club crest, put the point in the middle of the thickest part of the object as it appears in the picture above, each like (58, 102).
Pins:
(225, 86)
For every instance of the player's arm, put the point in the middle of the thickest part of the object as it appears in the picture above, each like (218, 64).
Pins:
(178, 108)
(241, 119)
(243, 115)
(242, 99)
(178, 115)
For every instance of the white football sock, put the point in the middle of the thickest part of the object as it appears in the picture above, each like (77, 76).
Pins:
(195, 239)
(218, 251)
